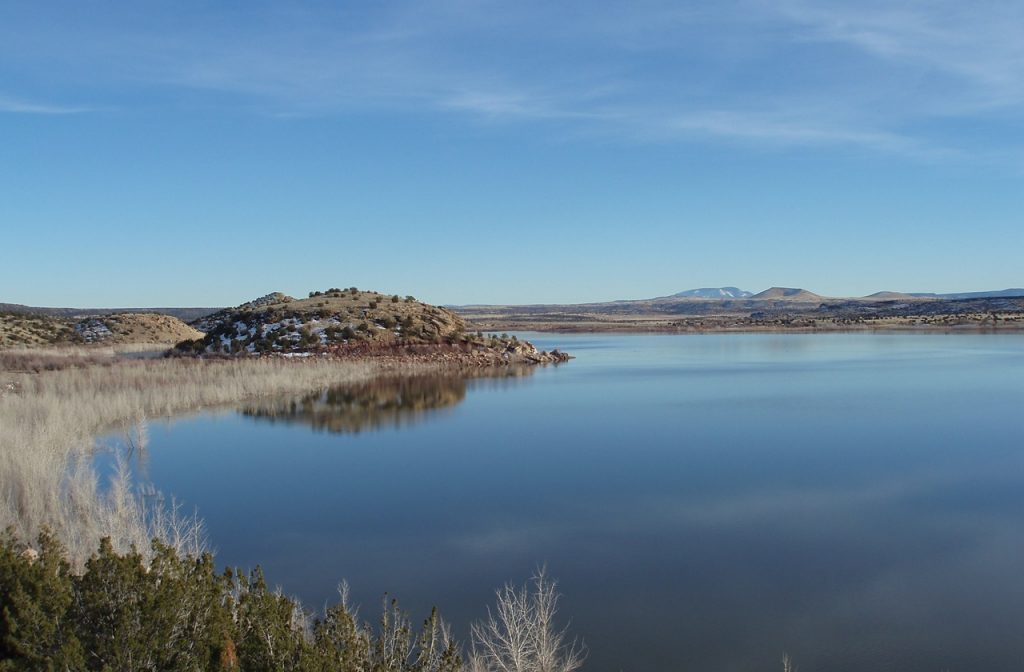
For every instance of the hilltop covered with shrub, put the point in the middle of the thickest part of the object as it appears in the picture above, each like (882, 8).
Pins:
(352, 322)
(39, 330)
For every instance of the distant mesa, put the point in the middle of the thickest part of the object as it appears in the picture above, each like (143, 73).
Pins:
(786, 294)
(904, 296)
(1000, 294)
(714, 293)
(897, 296)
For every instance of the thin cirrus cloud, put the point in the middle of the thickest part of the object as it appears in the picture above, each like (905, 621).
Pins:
(21, 106)
(882, 76)
(977, 45)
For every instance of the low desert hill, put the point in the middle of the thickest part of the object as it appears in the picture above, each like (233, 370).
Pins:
(31, 330)
(786, 294)
(183, 314)
(343, 321)
(898, 296)
(280, 322)
(28, 330)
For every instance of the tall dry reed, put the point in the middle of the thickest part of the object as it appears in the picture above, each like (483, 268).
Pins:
(49, 420)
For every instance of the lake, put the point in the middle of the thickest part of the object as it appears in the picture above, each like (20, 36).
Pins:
(706, 502)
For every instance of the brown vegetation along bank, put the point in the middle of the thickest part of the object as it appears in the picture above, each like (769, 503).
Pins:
(57, 599)
(472, 352)
(54, 402)
(51, 418)
(469, 353)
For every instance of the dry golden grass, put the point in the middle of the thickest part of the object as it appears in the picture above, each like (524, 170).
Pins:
(49, 421)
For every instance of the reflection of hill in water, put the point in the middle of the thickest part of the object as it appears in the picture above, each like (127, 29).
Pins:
(385, 402)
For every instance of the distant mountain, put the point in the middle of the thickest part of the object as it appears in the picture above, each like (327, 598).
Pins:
(183, 314)
(713, 293)
(898, 296)
(786, 294)
(996, 294)
(999, 294)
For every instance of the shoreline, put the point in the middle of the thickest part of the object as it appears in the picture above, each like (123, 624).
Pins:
(56, 402)
(796, 327)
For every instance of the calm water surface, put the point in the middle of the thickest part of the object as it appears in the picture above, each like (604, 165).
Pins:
(707, 502)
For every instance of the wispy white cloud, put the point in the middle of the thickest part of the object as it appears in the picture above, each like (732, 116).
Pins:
(976, 44)
(807, 131)
(786, 72)
(21, 106)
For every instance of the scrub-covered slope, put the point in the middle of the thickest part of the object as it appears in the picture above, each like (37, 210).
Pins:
(32, 330)
(349, 321)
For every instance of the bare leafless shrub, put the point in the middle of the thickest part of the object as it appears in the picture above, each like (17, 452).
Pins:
(520, 634)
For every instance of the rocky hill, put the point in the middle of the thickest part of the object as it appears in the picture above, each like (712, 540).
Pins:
(351, 322)
(34, 330)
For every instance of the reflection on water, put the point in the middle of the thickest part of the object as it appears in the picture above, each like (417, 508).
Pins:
(707, 502)
(380, 403)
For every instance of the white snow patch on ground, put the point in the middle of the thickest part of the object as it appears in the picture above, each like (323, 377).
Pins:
(92, 330)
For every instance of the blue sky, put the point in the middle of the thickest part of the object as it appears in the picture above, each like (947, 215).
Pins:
(197, 153)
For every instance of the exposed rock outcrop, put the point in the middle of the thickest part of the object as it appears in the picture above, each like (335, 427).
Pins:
(354, 323)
